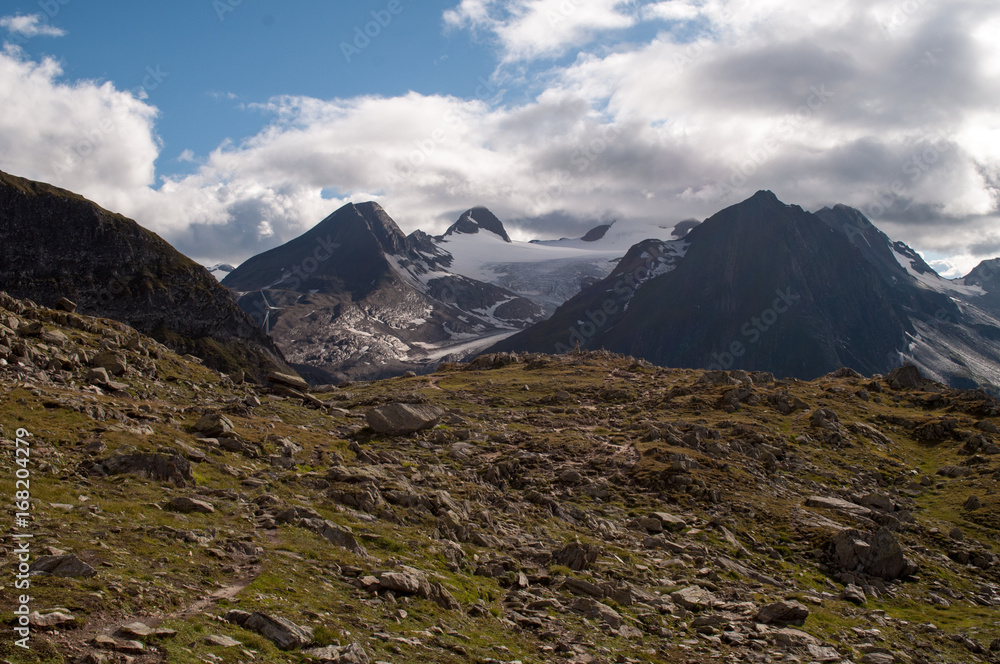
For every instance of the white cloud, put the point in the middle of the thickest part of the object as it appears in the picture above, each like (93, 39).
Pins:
(30, 25)
(82, 135)
(528, 29)
(817, 101)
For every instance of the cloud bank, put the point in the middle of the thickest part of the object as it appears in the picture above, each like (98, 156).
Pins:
(890, 107)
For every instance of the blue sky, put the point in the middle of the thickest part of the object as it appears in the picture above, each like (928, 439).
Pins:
(230, 126)
(215, 58)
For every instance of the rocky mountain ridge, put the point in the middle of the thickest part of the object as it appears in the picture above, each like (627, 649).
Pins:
(583, 508)
(56, 245)
(767, 286)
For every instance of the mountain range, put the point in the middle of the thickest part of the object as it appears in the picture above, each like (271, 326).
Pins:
(767, 286)
(761, 285)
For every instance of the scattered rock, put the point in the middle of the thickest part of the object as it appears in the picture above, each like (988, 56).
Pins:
(68, 566)
(293, 382)
(693, 598)
(282, 632)
(399, 419)
(52, 619)
(786, 612)
(668, 521)
(878, 555)
(188, 505)
(213, 425)
(905, 378)
(591, 608)
(349, 654)
(576, 556)
(854, 594)
(65, 304)
(222, 641)
(161, 467)
(972, 503)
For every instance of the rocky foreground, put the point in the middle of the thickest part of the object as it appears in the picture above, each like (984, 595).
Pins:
(581, 508)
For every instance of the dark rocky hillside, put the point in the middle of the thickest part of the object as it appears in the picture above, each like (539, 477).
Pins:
(55, 244)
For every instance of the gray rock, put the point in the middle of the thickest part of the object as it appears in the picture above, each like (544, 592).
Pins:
(111, 361)
(878, 658)
(161, 467)
(222, 641)
(401, 582)
(398, 419)
(282, 632)
(591, 608)
(98, 376)
(349, 654)
(905, 378)
(136, 630)
(576, 556)
(668, 521)
(831, 503)
(288, 380)
(53, 619)
(213, 425)
(854, 594)
(822, 653)
(67, 566)
(65, 304)
(188, 505)
(693, 598)
(972, 503)
(785, 612)
(877, 555)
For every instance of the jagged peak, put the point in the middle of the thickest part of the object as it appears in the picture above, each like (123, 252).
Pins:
(476, 218)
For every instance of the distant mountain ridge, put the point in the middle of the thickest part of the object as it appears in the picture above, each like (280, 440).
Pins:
(354, 297)
(54, 244)
(767, 286)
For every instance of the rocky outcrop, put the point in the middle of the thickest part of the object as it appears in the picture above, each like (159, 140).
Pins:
(878, 554)
(57, 246)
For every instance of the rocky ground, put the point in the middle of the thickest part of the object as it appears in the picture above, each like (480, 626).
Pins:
(581, 508)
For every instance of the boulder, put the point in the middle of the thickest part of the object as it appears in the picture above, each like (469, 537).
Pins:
(785, 612)
(693, 598)
(52, 619)
(282, 632)
(591, 608)
(668, 521)
(349, 654)
(972, 503)
(399, 419)
(576, 556)
(831, 503)
(854, 594)
(878, 555)
(288, 380)
(67, 566)
(188, 505)
(65, 304)
(113, 362)
(213, 425)
(161, 467)
(905, 378)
